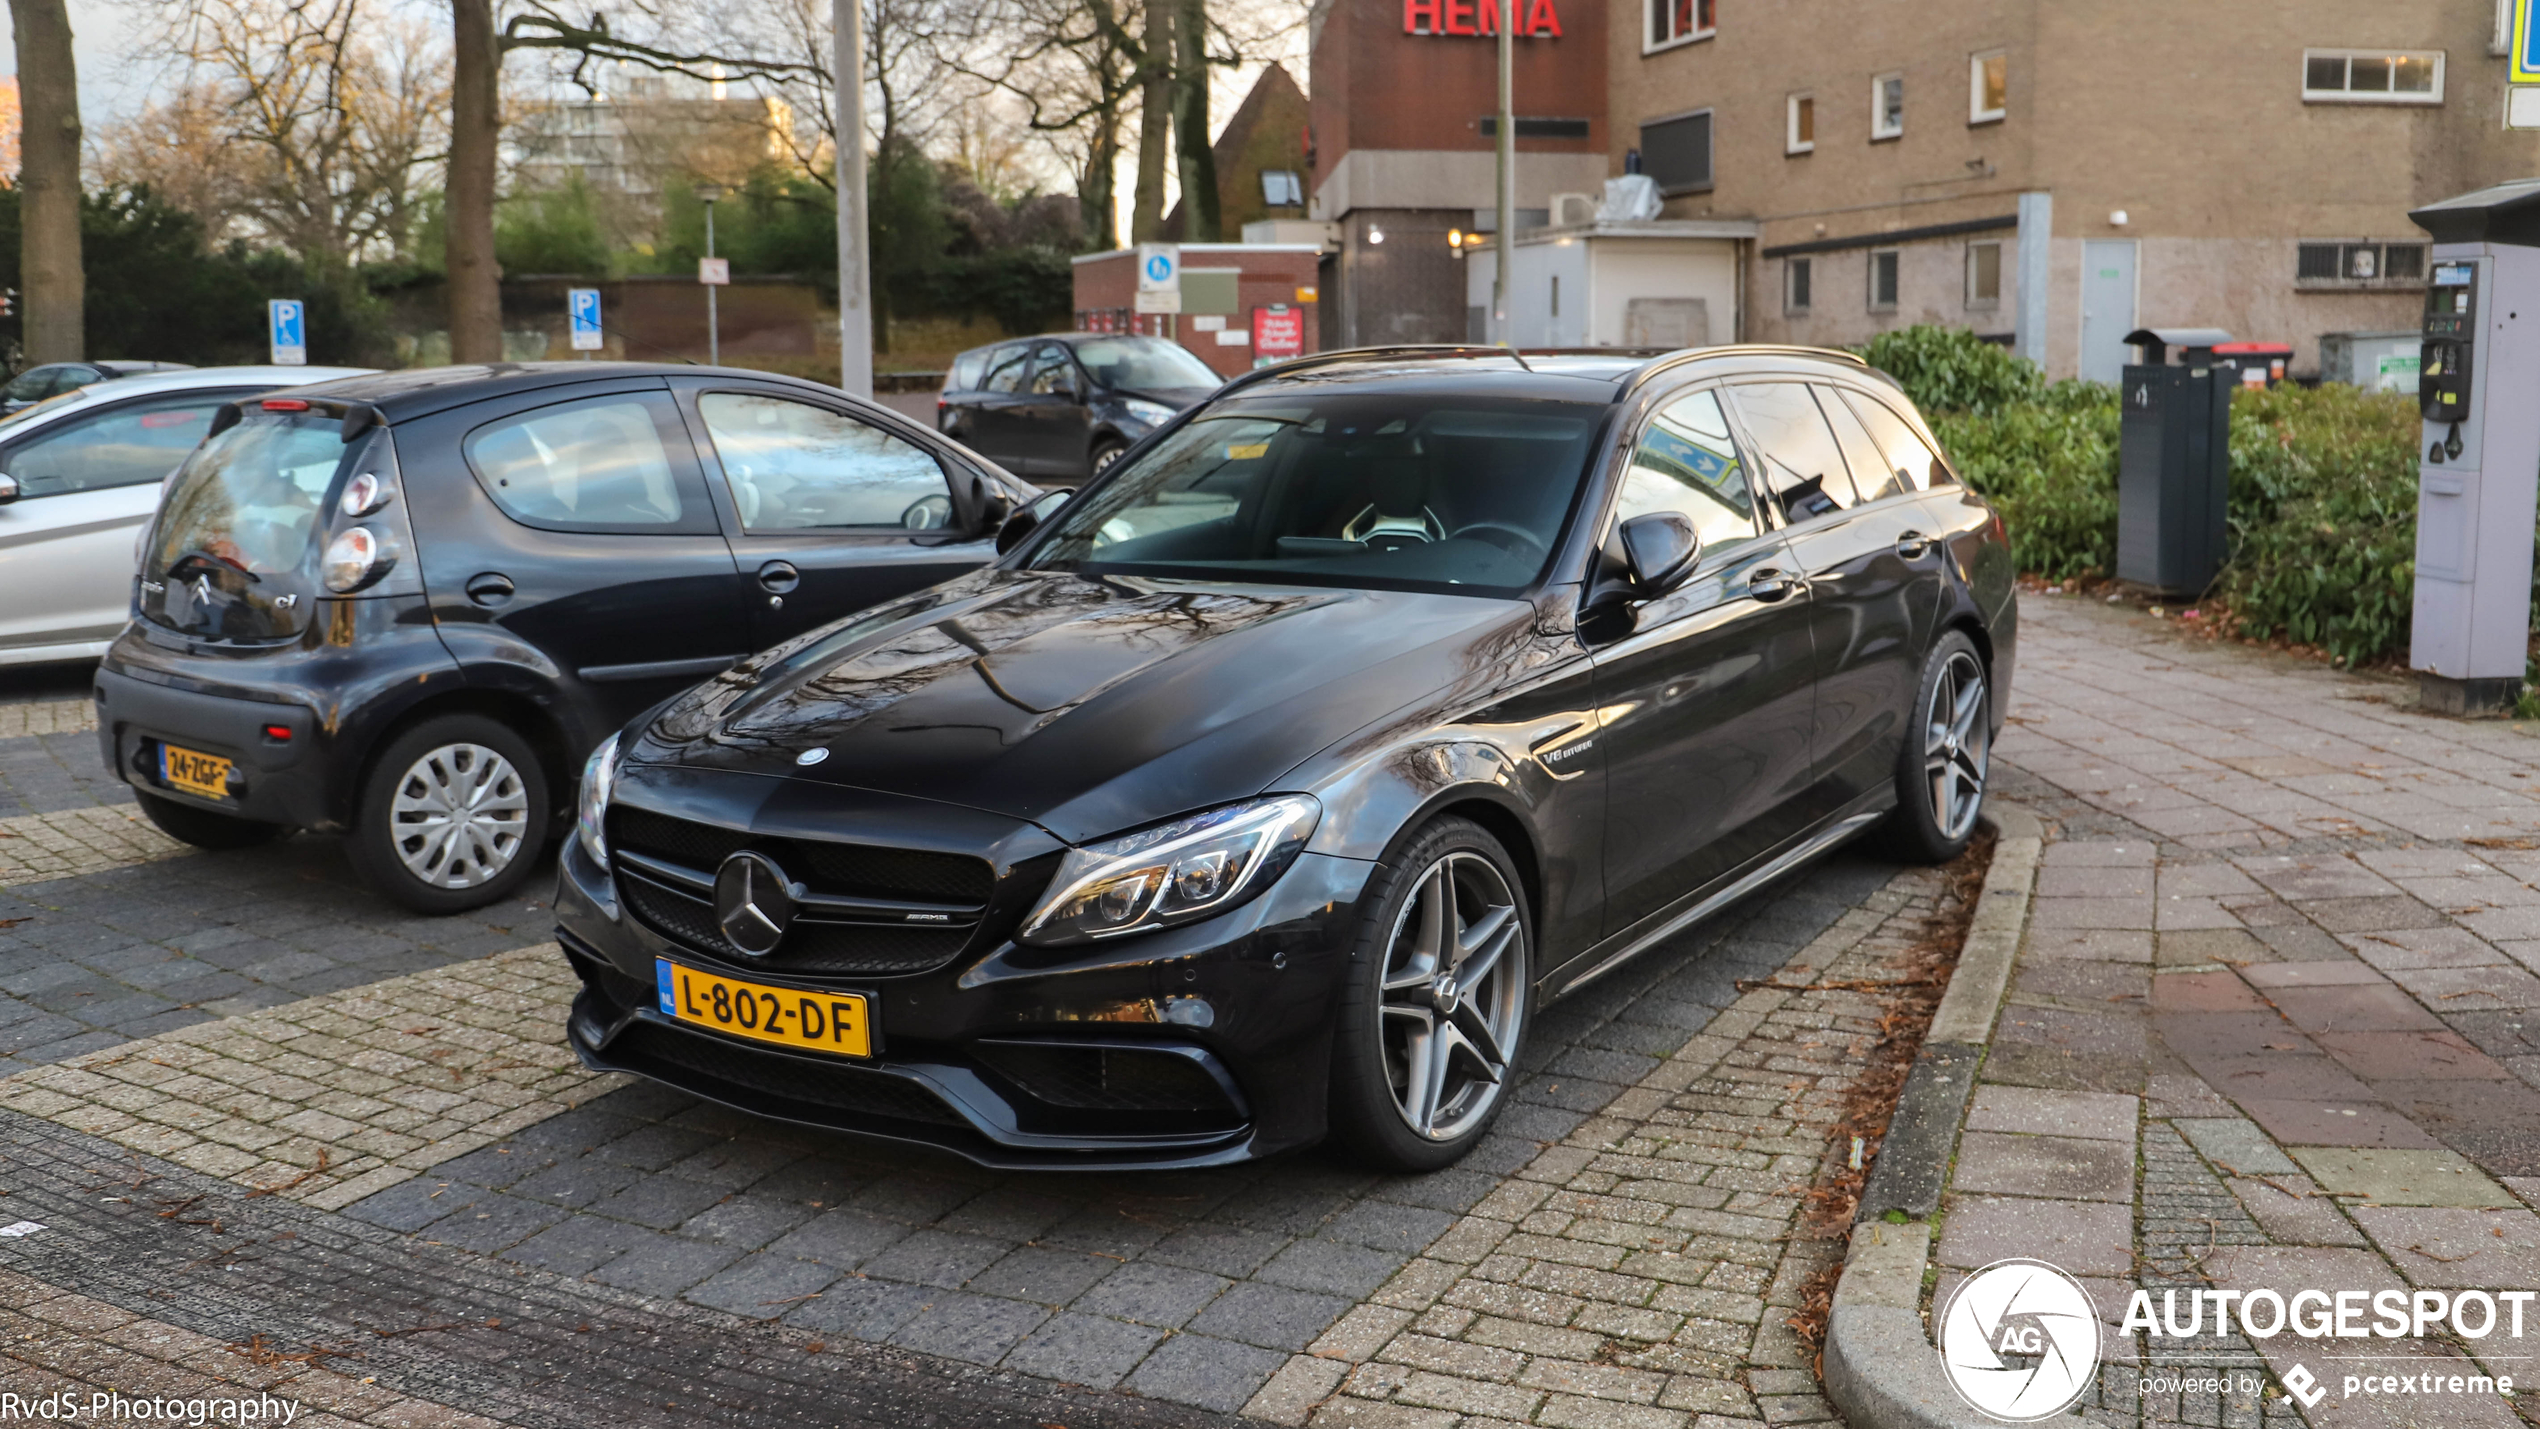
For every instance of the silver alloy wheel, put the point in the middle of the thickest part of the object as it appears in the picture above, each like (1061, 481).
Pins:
(1957, 745)
(458, 816)
(1104, 457)
(1453, 996)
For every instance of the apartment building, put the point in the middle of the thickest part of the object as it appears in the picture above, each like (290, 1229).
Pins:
(2058, 174)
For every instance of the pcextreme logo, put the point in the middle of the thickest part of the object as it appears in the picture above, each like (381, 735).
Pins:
(2019, 1340)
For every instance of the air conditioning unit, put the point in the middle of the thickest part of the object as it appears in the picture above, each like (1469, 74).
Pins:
(1573, 210)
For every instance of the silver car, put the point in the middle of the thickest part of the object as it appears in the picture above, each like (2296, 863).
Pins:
(80, 475)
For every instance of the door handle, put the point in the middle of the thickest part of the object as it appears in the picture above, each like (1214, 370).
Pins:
(490, 588)
(1913, 545)
(779, 576)
(1772, 583)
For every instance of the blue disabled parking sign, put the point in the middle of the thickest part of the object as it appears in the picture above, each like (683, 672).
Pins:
(288, 326)
(583, 306)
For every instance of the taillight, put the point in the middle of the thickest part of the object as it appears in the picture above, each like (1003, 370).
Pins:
(352, 560)
(285, 404)
(365, 494)
(278, 733)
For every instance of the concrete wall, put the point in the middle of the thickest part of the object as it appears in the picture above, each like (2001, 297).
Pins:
(1599, 278)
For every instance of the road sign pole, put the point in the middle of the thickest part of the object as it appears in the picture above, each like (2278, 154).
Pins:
(287, 332)
(714, 321)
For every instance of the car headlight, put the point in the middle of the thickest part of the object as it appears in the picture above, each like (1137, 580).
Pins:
(599, 781)
(1173, 873)
(1154, 414)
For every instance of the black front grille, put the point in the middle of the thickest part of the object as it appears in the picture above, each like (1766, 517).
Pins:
(1106, 1078)
(807, 946)
(846, 1088)
(849, 870)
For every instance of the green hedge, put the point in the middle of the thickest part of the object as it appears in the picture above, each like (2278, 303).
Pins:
(2323, 487)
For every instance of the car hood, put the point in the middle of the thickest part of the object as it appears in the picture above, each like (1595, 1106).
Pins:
(1086, 704)
(1174, 397)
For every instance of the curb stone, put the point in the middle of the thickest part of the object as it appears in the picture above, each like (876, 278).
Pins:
(1879, 1366)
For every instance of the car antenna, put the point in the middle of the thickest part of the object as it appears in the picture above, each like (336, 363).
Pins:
(1518, 357)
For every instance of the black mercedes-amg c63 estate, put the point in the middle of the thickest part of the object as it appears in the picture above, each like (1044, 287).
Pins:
(1264, 789)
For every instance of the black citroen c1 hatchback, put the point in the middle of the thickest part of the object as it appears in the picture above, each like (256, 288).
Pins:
(403, 607)
(1266, 787)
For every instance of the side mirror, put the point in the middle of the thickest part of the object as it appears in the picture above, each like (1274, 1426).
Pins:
(1024, 522)
(1660, 548)
(8, 489)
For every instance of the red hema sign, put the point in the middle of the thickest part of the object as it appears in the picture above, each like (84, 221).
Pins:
(1478, 17)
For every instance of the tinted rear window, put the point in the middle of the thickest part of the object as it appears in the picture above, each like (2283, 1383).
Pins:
(238, 531)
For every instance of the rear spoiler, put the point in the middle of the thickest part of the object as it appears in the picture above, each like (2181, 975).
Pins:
(357, 417)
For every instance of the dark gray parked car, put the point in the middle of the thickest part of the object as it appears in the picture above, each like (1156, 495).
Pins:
(1061, 407)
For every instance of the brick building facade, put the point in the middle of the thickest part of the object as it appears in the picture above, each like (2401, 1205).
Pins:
(2060, 174)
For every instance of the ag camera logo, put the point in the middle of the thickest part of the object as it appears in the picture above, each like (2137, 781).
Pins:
(2019, 1340)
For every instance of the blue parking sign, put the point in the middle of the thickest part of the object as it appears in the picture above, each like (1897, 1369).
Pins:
(582, 305)
(2525, 51)
(287, 326)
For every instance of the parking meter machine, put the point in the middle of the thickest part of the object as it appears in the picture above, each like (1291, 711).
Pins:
(2478, 471)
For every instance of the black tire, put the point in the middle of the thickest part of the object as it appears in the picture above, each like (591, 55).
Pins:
(1373, 1104)
(404, 852)
(1945, 758)
(1105, 452)
(204, 828)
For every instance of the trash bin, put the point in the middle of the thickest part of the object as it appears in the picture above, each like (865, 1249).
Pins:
(2173, 475)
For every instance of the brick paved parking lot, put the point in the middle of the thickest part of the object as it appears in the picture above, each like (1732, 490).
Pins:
(280, 1134)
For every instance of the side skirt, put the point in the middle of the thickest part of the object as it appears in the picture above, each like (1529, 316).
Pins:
(1659, 927)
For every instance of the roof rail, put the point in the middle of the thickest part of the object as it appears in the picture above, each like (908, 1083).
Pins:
(1739, 349)
(1353, 354)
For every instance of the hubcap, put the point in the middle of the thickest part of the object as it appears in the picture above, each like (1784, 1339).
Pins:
(1454, 996)
(459, 816)
(1957, 744)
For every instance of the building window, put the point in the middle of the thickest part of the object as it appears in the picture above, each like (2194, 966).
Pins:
(1282, 188)
(1797, 277)
(1883, 262)
(1676, 152)
(1984, 275)
(2361, 263)
(2373, 76)
(1887, 106)
(1675, 22)
(1801, 131)
(1988, 87)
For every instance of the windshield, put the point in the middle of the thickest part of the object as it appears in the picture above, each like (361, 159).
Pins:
(1379, 492)
(1143, 364)
(235, 536)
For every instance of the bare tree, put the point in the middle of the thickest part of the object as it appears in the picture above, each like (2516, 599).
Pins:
(51, 279)
(477, 51)
(307, 122)
(1077, 66)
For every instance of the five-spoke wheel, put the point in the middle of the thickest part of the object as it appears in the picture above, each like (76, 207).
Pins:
(1940, 772)
(1436, 1008)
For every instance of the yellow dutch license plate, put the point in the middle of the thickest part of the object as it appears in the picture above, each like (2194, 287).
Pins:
(205, 776)
(836, 1022)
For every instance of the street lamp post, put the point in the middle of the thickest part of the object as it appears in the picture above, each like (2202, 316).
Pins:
(1503, 243)
(707, 194)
